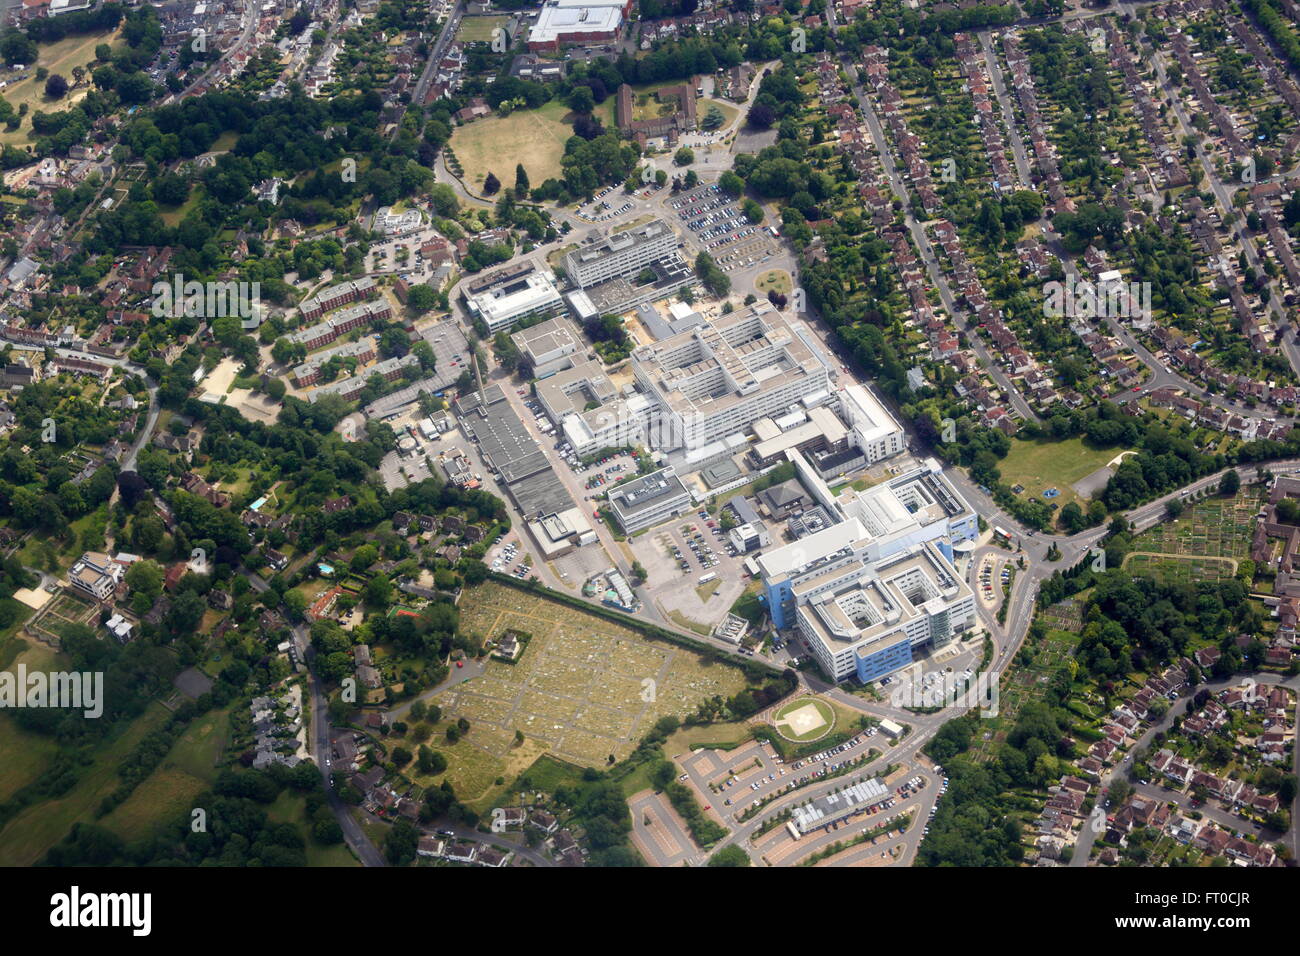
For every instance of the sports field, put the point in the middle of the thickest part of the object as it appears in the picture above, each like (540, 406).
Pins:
(479, 29)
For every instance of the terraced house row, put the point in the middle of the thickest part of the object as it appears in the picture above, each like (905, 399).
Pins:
(1022, 81)
(992, 134)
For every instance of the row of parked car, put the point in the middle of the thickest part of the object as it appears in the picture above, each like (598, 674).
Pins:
(694, 203)
(601, 208)
(728, 235)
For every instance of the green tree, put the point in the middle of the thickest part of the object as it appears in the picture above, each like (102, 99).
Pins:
(731, 855)
(581, 100)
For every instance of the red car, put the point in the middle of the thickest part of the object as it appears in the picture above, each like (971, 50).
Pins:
(460, 663)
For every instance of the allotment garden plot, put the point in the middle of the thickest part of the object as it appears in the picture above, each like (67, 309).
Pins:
(1205, 543)
(1028, 678)
(583, 686)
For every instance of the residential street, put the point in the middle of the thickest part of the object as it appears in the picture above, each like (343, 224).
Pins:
(938, 277)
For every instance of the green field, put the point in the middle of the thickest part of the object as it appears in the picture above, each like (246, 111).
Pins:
(497, 144)
(708, 736)
(27, 755)
(479, 29)
(29, 835)
(729, 111)
(58, 57)
(534, 138)
(1040, 465)
(187, 771)
(162, 797)
(172, 215)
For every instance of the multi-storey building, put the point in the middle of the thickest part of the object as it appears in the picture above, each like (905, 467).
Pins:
(860, 611)
(502, 304)
(574, 390)
(549, 347)
(620, 254)
(350, 388)
(358, 316)
(309, 371)
(649, 500)
(338, 295)
(96, 574)
(879, 582)
(618, 424)
(874, 430)
(715, 380)
(562, 22)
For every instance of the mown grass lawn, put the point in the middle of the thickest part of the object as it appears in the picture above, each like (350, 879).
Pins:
(497, 144)
(1040, 465)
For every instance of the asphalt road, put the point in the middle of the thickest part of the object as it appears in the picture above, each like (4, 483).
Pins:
(353, 833)
(1088, 833)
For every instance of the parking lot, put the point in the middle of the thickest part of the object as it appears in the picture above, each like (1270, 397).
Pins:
(508, 557)
(601, 474)
(734, 781)
(911, 796)
(450, 350)
(609, 203)
(398, 471)
(695, 573)
(993, 574)
(698, 545)
(402, 253)
(721, 229)
(935, 680)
